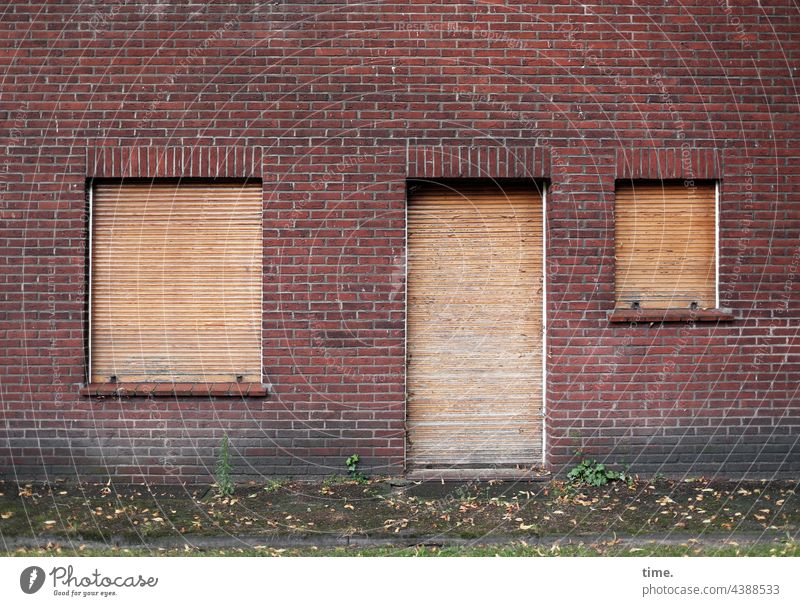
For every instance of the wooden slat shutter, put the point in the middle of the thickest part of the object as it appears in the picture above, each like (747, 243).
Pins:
(665, 245)
(474, 326)
(176, 282)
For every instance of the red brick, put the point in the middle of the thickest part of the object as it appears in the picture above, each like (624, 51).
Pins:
(335, 117)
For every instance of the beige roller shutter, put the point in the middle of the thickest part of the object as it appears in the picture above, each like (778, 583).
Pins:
(665, 245)
(176, 282)
(474, 326)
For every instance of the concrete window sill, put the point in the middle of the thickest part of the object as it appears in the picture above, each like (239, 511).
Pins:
(670, 315)
(218, 390)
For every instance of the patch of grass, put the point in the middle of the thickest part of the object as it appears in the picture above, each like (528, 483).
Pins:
(274, 485)
(575, 550)
(335, 480)
(518, 549)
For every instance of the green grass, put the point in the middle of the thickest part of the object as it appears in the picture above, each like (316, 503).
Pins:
(521, 549)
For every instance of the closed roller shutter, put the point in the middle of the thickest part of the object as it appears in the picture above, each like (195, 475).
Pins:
(176, 282)
(474, 326)
(665, 246)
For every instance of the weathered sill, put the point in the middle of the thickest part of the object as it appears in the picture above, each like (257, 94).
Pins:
(217, 390)
(670, 315)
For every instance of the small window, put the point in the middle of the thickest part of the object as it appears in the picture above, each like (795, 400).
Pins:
(176, 282)
(666, 245)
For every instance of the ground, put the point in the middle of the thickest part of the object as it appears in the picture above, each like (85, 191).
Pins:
(381, 517)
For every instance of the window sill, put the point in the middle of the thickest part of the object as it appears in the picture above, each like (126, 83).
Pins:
(219, 390)
(670, 315)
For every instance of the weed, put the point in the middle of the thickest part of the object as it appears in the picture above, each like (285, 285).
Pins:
(352, 469)
(273, 485)
(225, 485)
(592, 473)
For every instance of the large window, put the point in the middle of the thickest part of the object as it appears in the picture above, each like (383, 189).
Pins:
(176, 282)
(666, 245)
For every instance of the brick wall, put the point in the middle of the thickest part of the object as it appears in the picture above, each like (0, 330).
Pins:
(334, 106)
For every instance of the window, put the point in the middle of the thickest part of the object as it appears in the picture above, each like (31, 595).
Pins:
(176, 282)
(666, 245)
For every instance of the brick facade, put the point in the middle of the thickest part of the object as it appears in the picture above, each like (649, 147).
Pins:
(334, 107)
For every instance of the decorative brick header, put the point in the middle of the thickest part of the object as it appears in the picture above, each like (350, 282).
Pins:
(441, 162)
(669, 163)
(176, 162)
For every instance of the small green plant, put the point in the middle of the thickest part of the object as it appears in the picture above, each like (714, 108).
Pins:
(352, 468)
(334, 480)
(225, 485)
(592, 473)
(273, 485)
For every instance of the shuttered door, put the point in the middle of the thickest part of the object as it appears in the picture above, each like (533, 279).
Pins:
(665, 246)
(176, 282)
(474, 327)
